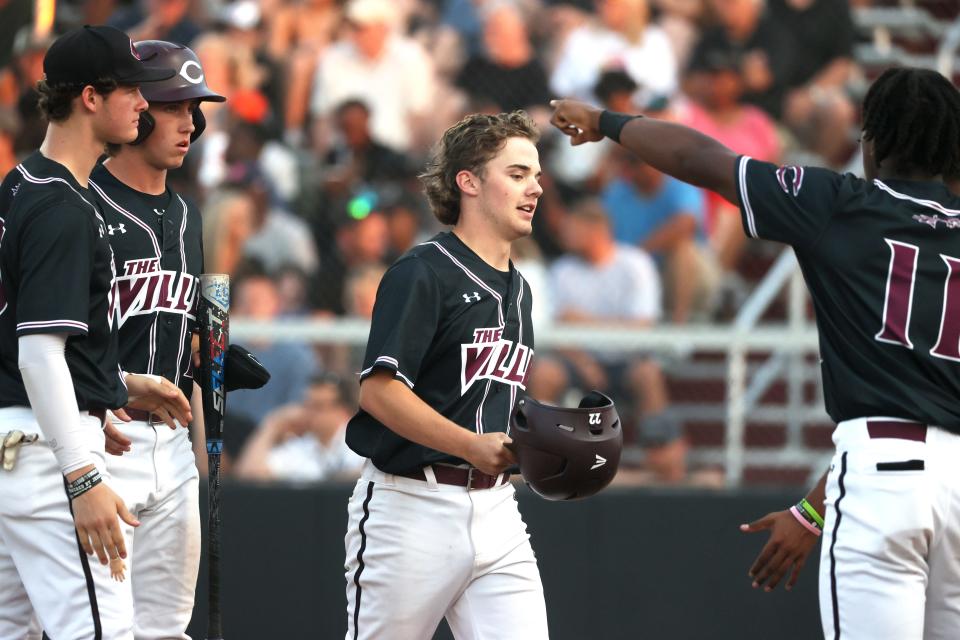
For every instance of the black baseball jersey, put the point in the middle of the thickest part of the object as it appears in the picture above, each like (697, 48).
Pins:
(157, 245)
(56, 269)
(457, 332)
(882, 262)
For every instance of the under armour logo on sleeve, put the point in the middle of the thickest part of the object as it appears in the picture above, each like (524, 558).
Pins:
(471, 297)
(119, 227)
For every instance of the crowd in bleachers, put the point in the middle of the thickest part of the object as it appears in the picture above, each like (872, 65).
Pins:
(307, 175)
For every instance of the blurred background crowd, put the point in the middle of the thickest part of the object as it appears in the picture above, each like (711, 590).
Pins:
(307, 175)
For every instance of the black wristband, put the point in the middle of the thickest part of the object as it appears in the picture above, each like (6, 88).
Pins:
(83, 484)
(612, 123)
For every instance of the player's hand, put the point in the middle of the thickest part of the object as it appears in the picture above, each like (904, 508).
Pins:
(578, 120)
(96, 515)
(160, 397)
(786, 550)
(489, 453)
(114, 441)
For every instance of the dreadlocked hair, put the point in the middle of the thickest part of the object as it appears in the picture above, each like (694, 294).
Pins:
(913, 116)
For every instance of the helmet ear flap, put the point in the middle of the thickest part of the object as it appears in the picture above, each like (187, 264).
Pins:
(144, 127)
(199, 124)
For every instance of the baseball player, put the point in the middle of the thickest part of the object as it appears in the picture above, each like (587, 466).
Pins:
(58, 352)
(433, 527)
(881, 257)
(156, 240)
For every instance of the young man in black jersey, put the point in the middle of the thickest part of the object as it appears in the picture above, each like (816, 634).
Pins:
(156, 239)
(58, 352)
(881, 258)
(434, 529)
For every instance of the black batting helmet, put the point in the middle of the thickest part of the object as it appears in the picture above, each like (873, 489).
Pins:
(188, 83)
(567, 454)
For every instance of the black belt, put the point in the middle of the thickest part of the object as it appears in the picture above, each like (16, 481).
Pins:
(470, 478)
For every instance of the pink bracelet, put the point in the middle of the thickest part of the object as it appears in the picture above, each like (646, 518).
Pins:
(799, 516)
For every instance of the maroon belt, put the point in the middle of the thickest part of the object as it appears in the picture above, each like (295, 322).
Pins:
(903, 430)
(458, 476)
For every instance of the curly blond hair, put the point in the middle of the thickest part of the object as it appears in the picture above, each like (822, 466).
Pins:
(469, 145)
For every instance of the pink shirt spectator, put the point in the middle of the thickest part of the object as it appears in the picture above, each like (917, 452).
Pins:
(751, 133)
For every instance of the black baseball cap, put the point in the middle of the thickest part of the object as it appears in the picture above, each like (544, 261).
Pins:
(85, 55)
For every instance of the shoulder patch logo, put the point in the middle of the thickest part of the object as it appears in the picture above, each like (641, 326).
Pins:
(120, 227)
(471, 297)
(790, 179)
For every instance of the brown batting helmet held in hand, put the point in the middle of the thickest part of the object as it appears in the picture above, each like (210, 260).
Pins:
(567, 454)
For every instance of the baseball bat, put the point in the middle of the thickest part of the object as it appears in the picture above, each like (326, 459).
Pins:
(213, 314)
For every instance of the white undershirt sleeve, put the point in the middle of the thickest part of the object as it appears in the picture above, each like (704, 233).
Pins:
(51, 393)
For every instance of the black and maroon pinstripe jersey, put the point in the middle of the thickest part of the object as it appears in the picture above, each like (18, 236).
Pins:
(56, 276)
(882, 263)
(157, 244)
(458, 333)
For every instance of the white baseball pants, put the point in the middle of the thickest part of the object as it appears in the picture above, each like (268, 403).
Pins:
(157, 479)
(890, 558)
(420, 551)
(43, 570)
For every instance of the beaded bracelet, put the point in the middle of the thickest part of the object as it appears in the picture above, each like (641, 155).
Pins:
(83, 484)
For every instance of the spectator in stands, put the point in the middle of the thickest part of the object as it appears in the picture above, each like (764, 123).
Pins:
(254, 68)
(508, 73)
(764, 47)
(360, 290)
(404, 226)
(19, 87)
(157, 20)
(664, 217)
(291, 364)
(251, 142)
(603, 282)
(355, 157)
(715, 87)
(299, 34)
(360, 238)
(279, 237)
(378, 64)
(227, 225)
(817, 107)
(293, 285)
(303, 442)
(623, 37)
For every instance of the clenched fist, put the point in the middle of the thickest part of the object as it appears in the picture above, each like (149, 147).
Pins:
(578, 120)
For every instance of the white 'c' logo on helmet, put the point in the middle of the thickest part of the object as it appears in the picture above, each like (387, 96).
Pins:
(197, 78)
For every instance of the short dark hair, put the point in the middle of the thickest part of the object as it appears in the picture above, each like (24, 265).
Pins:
(327, 378)
(56, 100)
(913, 117)
(469, 145)
(352, 103)
(614, 81)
